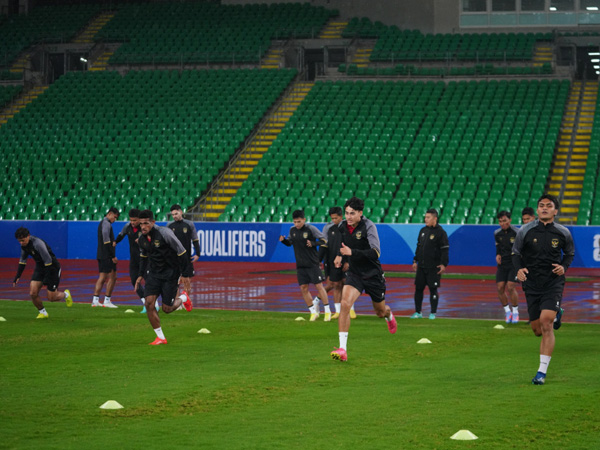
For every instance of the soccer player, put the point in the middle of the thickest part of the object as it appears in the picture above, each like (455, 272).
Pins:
(162, 258)
(305, 238)
(334, 275)
(506, 275)
(430, 262)
(133, 232)
(46, 273)
(527, 215)
(107, 261)
(361, 248)
(185, 231)
(542, 253)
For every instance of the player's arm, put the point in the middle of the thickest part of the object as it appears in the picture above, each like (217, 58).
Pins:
(417, 252)
(195, 241)
(285, 240)
(445, 249)
(374, 252)
(21, 267)
(176, 245)
(317, 237)
(143, 264)
(517, 258)
(106, 240)
(121, 234)
(568, 251)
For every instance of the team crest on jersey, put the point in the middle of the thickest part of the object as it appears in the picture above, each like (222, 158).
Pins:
(431, 237)
(554, 243)
(535, 240)
(305, 235)
(185, 229)
(358, 234)
(512, 240)
(157, 243)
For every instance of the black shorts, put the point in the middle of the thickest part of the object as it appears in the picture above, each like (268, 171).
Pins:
(49, 276)
(374, 287)
(188, 272)
(550, 299)
(167, 289)
(106, 265)
(309, 275)
(428, 277)
(506, 273)
(332, 272)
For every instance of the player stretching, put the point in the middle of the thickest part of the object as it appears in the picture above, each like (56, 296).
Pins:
(361, 247)
(542, 253)
(185, 230)
(46, 273)
(334, 275)
(162, 259)
(305, 239)
(506, 275)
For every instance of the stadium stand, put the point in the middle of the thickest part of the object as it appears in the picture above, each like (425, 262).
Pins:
(468, 148)
(7, 93)
(147, 139)
(207, 32)
(44, 24)
(589, 208)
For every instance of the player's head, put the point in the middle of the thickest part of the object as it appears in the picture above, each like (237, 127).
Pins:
(146, 221)
(353, 209)
(177, 212)
(547, 207)
(22, 235)
(503, 219)
(431, 217)
(336, 214)
(112, 214)
(527, 215)
(134, 217)
(299, 218)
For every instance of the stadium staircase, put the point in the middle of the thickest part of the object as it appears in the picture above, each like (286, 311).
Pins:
(272, 59)
(225, 188)
(566, 178)
(333, 29)
(101, 63)
(21, 63)
(20, 102)
(361, 57)
(90, 31)
(542, 53)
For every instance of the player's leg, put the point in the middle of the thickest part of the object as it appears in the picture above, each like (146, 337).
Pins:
(323, 296)
(34, 292)
(155, 320)
(102, 276)
(513, 296)
(349, 295)
(337, 297)
(170, 300)
(433, 283)
(420, 283)
(111, 282)
(187, 284)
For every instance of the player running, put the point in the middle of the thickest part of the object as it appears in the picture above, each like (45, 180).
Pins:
(506, 275)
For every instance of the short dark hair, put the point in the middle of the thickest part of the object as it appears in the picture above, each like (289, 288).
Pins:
(503, 214)
(176, 207)
(433, 212)
(147, 214)
(336, 210)
(550, 197)
(528, 210)
(21, 233)
(134, 212)
(355, 203)
(298, 214)
(114, 210)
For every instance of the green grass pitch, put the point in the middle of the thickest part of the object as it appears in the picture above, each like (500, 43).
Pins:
(262, 380)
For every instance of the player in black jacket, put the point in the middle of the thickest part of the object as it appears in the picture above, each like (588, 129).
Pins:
(162, 260)
(542, 253)
(46, 273)
(430, 262)
(107, 261)
(133, 232)
(506, 275)
(185, 230)
(361, 249)
(305, 238)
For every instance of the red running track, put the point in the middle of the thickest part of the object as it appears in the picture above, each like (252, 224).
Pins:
(261, 286)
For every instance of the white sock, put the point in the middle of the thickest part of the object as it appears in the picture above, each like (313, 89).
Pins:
(313, 309)
(343, 339)
(507, 309)
(143, 301)
(352, 307)
(338, 307)
(544, 361)
(43, 311)
(327, 309)
(183, 298)
(106, 299)
(95, 299)
(515, 309)
(389, 319)
(159, 332)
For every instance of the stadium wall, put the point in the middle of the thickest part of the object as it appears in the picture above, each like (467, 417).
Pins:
(470, 245)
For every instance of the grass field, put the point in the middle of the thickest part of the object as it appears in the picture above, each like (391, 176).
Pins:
(264, 381)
